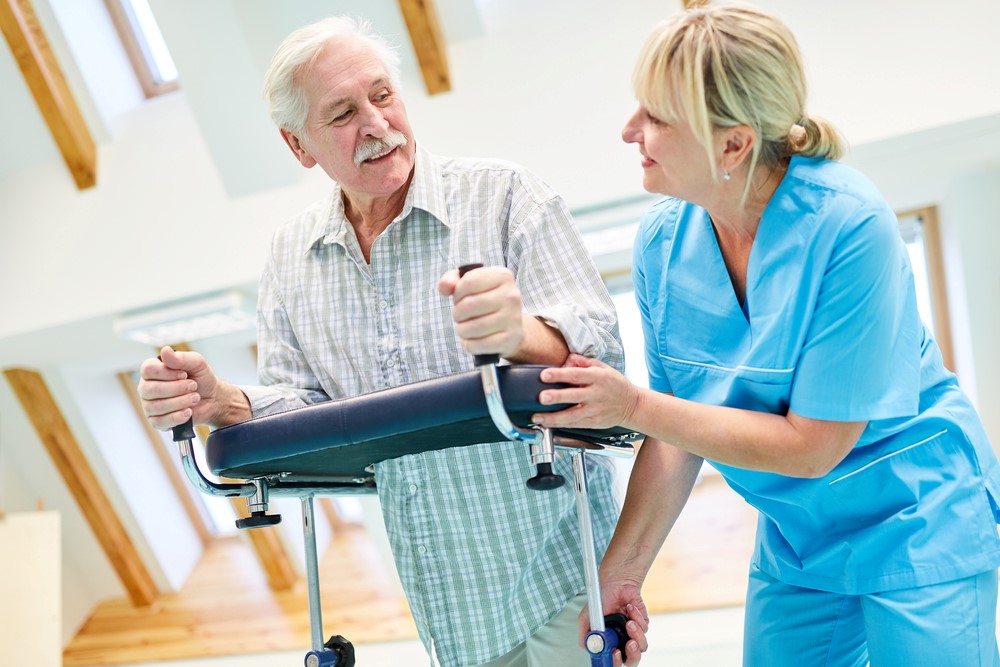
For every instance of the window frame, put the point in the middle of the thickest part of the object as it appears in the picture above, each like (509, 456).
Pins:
(151, 87)
(929, 221)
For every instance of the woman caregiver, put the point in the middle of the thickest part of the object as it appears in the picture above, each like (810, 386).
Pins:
(783, 345)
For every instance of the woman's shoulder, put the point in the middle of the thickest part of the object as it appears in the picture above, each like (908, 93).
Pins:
(834, 182)
(834, 200)
(661, 217)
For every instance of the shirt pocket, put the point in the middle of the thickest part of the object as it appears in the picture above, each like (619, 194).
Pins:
(434, 343)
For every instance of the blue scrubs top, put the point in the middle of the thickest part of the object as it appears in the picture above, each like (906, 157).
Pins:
(830, 330)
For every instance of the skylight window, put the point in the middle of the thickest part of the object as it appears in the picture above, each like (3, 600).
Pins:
(145, 45)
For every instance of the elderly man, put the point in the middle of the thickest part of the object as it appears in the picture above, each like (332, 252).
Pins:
(354, 298)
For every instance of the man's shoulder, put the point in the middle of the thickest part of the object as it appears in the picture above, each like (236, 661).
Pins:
(467, 165)
(476, 171)
(302, 228)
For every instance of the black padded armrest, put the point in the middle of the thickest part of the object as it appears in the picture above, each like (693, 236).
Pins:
(338, 440)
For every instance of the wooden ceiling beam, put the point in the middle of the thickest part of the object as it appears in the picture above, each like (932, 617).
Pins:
(428, 43)
(273, 555)
(181, 486)
(76, 471)
(48, 86)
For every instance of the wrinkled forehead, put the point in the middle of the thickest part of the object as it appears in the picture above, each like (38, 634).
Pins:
(342, 63)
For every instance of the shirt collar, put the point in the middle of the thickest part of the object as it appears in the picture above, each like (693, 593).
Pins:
(425, 193)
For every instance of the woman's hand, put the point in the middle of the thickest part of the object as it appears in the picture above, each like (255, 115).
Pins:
(622, 598)
(603, 396)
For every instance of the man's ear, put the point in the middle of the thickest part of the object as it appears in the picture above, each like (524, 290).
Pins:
(301, 154)
(735, 143)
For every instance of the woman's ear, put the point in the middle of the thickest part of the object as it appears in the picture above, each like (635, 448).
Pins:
(301, 154)
(735, 144)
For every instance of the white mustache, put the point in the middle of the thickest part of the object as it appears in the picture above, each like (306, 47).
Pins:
(374, 147)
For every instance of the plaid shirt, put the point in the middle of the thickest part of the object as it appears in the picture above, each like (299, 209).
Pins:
(483, 560)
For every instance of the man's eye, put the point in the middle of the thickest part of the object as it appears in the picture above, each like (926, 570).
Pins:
(342, 117)
(383, 96)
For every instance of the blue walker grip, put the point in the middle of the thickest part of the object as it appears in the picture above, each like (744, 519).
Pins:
(609, 641)
(614, 636)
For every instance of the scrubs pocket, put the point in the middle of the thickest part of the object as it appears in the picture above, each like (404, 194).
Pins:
(761, 389)
(917, 479)
(746, 387)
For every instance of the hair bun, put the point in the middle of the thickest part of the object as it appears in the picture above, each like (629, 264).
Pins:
(798, 136)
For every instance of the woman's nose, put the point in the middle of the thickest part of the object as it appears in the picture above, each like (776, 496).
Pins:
(630, 133)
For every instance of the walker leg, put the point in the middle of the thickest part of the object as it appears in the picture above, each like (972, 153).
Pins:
(312, 574)
(337, 652)
(601, 641)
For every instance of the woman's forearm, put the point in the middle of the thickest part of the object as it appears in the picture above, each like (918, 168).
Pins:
(787, 444)
(658, 488)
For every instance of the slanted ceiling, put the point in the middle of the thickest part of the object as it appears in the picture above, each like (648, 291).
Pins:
(221, 50)
(44, 78)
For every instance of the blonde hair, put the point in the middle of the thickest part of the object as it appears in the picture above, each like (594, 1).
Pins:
(722, 65)
(282, 90)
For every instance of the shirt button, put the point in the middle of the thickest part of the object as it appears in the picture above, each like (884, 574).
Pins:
(421, 549)
(413, 488)
(383, 304)
(390, 363)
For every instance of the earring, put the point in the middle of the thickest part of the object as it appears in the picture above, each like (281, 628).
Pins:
(725, 176)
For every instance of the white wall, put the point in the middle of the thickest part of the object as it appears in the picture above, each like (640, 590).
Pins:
(30, 574)
(547, 85)
(973, 211)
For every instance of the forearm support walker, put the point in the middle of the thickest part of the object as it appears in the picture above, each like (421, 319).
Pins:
(331, 448)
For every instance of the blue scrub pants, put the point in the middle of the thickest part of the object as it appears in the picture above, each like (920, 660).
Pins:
(946, 625)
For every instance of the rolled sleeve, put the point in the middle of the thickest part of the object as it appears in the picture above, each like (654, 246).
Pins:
(557, 277)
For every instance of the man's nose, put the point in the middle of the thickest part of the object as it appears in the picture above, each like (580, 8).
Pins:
(373, 121)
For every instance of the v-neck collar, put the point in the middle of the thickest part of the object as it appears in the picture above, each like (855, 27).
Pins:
(760, 246)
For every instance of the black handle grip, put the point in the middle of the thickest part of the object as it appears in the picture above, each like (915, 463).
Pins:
(545, 479)
(343, 649)
(184, 432)
(617, 623)
(479, 359)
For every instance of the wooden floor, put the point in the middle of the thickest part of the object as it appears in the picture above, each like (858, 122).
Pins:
(226, 608)
(705, 560)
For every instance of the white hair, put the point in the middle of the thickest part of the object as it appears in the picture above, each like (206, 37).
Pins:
(282, 90)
